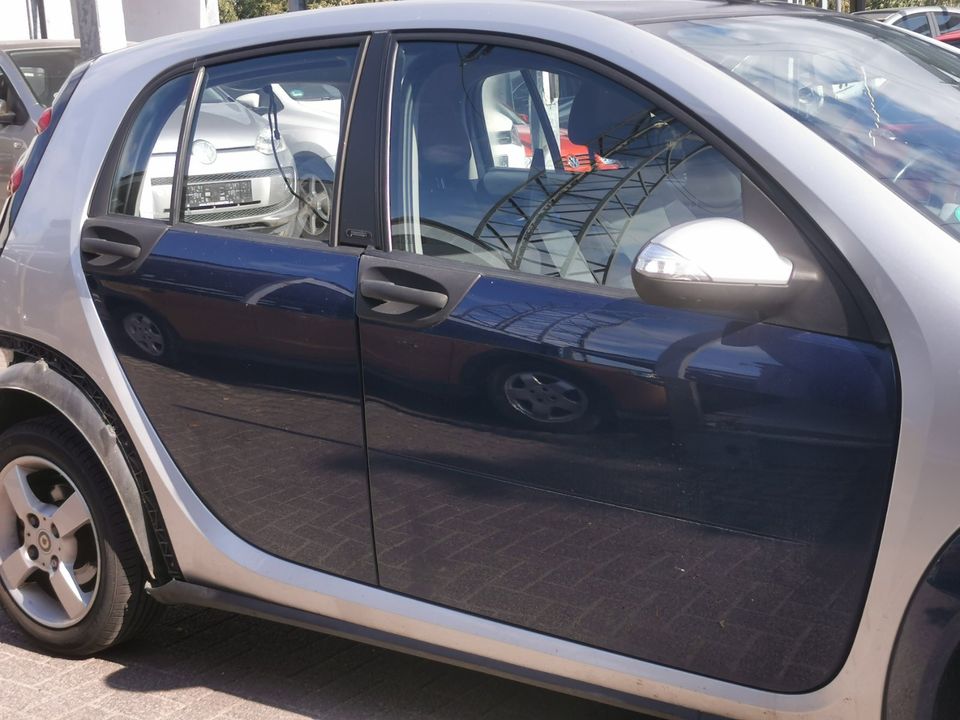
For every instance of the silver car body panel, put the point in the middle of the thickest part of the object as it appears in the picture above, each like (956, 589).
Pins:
(310, 127)
(910, 267)
(38, 379)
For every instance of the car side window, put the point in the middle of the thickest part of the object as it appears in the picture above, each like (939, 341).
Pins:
(917, 22)
(143, 183)
(263, 152)
(947, 21)
(514, 160)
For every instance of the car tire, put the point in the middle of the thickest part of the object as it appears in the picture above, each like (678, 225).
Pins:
(313, 184)
(79, 588)
(148, 334)
(547, 398)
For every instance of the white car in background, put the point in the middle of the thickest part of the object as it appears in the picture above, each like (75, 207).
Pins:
(308, 116)
(238, 175)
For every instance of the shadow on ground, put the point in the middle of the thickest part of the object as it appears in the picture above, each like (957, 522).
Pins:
(202, 663)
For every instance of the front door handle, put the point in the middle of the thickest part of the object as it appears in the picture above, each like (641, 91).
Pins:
(109, 248)
(387, 291)
(409, 291)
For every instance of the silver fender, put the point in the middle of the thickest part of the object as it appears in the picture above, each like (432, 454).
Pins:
(38, 379)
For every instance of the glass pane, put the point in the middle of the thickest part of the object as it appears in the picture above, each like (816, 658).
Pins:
(46, 70)
(890, 100)
(144, 178)
(947, 21)
(265, 143)
(918, 23)
(515, 160)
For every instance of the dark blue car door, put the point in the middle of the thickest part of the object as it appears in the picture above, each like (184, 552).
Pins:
(232, 316)
(698, 487)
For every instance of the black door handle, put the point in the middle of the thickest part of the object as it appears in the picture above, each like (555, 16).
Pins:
(391, 292)
(99, 246)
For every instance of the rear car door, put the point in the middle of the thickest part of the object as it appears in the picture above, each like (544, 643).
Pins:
(701, 486)
(208, 255)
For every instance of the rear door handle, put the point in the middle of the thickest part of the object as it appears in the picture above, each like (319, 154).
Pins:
(110, 248)
(116, 245)
(387, 291)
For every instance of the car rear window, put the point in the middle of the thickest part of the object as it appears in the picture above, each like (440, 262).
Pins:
(45, 70)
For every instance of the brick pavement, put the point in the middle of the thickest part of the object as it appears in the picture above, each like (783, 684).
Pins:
(201, 664)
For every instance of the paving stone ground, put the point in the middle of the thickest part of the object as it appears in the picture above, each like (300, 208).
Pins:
(201, 664)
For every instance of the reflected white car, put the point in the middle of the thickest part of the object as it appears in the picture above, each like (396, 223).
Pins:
(238, 175)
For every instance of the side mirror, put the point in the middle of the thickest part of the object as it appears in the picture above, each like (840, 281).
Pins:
(715, 263)
(6, 116)
(251, 100)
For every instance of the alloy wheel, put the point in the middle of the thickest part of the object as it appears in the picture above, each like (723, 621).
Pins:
(544, 397)
(49, 555)
(145, 333)
(313, 217)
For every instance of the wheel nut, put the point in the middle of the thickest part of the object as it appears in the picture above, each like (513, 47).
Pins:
(33, 520)
(54, 563)
(32, 552)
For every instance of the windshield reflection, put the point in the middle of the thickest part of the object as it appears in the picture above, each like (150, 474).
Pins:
(886, 97)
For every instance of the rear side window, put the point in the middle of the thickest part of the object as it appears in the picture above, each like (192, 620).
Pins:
(143, 182)
(265, 142)
(917, 23)
(947, 21)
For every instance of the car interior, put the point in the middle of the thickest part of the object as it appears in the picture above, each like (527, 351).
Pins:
(457, 203)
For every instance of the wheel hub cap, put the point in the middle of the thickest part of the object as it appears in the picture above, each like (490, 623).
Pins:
(49, 556)
(145, 333)
(544, 397)
(314, 213)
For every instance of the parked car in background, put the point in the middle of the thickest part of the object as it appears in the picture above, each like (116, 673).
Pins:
(932, 21)
(31, 73)
(240, 175)
(676, 431)
(310, 114)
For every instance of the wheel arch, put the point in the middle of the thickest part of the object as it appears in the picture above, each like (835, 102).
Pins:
(314, 153)
(927, 648)
(30, 389)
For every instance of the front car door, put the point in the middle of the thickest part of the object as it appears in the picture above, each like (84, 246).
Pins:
(696, 486)
(232, 315)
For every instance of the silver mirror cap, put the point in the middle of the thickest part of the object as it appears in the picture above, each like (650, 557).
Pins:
(250, 100)
(714, 250)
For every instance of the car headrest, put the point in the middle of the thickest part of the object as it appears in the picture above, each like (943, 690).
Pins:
(600, 108)
(442, 140)
(712, 184)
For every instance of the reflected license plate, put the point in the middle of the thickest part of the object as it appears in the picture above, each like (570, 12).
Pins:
(213, 195)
